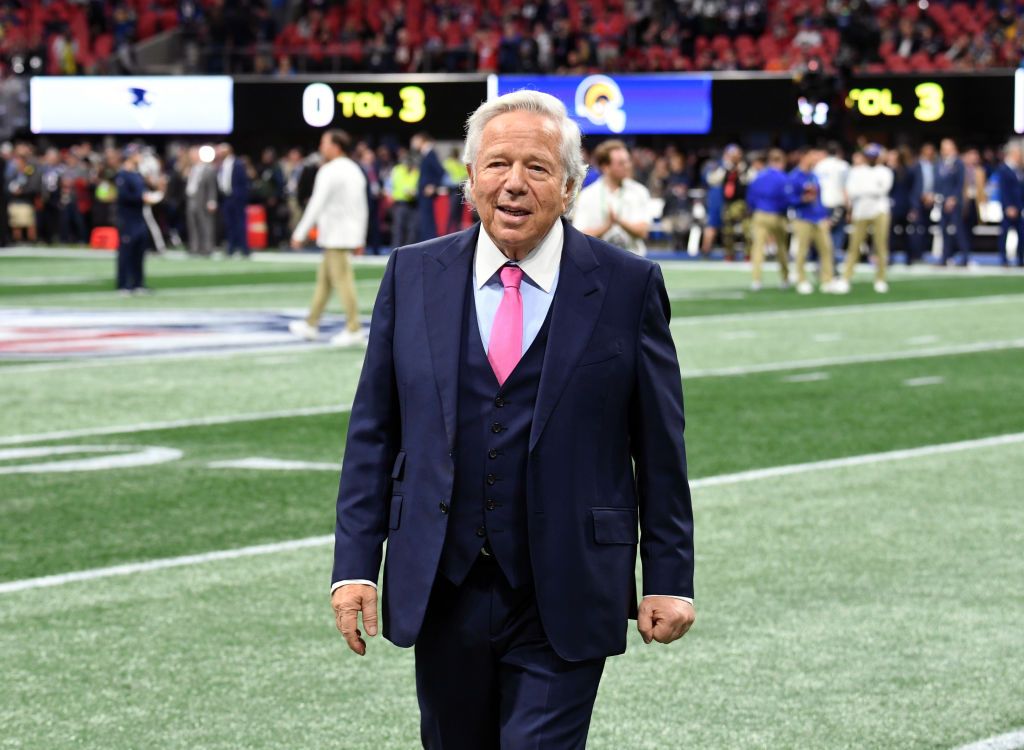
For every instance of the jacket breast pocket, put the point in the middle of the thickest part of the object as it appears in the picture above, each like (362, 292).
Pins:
(395, 512)
(615, 526)
(602, 353)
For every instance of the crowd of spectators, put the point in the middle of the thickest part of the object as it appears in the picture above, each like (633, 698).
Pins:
(543, 36)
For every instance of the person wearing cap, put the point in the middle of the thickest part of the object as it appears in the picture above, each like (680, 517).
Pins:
(868, 187)
(811, 222)
(769, 199)
(133, 233)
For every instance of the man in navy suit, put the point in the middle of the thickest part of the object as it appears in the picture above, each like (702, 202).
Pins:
(950, 185)
(517, 431)
(432, 176)
(233, 183)
(1011, 196)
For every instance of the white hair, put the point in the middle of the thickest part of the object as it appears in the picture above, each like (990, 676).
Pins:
(574, 168)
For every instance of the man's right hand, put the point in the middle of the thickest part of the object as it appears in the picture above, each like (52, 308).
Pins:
(1011, 212)
(348, 601)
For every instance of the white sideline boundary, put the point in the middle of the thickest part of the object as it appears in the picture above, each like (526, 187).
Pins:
(60, 579)
(1008, 741)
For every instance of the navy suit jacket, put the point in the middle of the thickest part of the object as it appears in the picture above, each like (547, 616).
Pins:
(917, 182)
(609, 395)
(431, 172)
(239, 184)
(949, 180)
(1010, 193)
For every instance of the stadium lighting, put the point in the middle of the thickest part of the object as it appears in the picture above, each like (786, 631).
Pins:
(207, 154)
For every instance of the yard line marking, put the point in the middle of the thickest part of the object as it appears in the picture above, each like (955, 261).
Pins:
(259, 463)
(825, 338)
(817, 312)
(162, 564)
(867, 458)
(927, 380)
(309, 411)
(807, 377)
(854, 359)
(922, 340)
(1008, 741)
(317, 541)
(738, 335)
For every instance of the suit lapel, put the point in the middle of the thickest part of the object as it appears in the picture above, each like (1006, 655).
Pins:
(574, 312)
(445, 278)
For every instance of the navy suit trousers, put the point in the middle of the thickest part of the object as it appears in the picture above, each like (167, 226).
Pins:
(1016, 224)
(487, 677)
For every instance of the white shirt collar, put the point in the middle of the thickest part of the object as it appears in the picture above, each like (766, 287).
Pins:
(540, 265)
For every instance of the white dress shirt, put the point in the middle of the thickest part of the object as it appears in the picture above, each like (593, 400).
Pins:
(540, 274)
(227, 167)
(631, 202)
(338, 207)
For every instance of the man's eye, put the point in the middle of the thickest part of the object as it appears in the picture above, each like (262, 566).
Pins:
(538, 168)
(496, 164)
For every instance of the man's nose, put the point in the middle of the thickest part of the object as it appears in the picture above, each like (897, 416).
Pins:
(515, 179)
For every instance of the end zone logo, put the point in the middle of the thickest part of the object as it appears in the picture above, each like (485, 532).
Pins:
(599, 99)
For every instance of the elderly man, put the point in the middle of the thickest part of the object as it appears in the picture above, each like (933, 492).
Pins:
(518, 416)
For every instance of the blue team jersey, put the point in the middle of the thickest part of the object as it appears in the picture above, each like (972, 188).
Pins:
(769, 192)
(806, 210)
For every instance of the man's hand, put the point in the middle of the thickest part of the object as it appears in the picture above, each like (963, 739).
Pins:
(664, 618)
(1011, 212)
(296, 245)
(950, 204)
(348, 601)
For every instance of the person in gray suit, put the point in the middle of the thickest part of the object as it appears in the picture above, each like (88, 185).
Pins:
(201, 204)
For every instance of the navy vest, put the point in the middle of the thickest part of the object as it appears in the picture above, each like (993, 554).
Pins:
(491, 446)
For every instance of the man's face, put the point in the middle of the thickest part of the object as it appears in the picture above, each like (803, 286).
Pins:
(948, 149)
(327, 148)
(928, 152)
(619, 165)
(1013, 157)
(516, 180)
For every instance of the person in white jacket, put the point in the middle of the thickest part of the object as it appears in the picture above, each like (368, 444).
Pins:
(868, 186)
(340, 211)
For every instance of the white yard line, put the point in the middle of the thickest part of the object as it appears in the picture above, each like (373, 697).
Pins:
(258, 463)
(317, 541)
(806, 377)
(1008, 741)
(926, 380)
(853, 359)
(310, 411)
(817, 312)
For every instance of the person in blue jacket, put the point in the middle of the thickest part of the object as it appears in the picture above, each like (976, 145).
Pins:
(769, 197)
(811, 222)
(432, 176)
(922, 199)
(950, 185)
(1011, 197)
(131, 225)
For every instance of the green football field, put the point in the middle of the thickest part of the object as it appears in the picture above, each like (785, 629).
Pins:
(857, 467)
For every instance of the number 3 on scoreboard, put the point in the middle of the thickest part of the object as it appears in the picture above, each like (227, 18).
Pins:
(930, 106)
(414, 104)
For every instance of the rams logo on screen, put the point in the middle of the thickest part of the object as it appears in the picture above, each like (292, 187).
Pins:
(599, 99)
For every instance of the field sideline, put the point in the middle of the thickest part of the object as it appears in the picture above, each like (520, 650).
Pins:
(856, 465)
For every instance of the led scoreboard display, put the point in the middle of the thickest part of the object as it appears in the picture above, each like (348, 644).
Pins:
(401, 105)
(941, 104)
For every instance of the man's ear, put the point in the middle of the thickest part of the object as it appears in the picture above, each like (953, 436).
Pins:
(570, 187)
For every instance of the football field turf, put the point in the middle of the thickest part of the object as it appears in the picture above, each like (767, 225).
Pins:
(858, 528)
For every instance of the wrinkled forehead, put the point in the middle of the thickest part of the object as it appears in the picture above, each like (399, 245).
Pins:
(530, 132)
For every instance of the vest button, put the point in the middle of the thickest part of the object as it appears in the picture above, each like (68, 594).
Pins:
(492, 453)
(491, 479)
(496, 428)
(481, 532)
(491, 505)
(443, 506)
(499, 402)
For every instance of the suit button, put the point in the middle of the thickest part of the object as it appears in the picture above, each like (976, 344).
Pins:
(491, 479)
(492, 453)
(491, 505)
(481, 532)
(496, 428)
(443, 506)
(499, 402)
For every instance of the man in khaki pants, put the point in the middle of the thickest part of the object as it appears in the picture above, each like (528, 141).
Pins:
(339, 208)
(811, 222)
(868, 188)
(769, 199)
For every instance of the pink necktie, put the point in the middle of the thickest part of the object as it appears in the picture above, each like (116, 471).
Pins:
(507, 333)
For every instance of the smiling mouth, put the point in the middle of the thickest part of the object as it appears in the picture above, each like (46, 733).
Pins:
(510, 211)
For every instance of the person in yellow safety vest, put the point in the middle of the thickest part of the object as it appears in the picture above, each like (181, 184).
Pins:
(401, 187)
(457, 175)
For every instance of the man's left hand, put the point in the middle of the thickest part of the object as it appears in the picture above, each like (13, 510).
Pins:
(664, 618)
(296, 244)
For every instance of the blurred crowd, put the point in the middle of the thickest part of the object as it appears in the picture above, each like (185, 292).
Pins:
(547, 36)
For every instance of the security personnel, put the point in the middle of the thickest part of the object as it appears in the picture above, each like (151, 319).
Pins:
(811, 223)
(950, 185)
(769, 199)
(401, 186)
(1011, 196)
(131, 225)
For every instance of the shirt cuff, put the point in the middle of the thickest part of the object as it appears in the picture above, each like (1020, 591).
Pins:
(338, 584)
(670, 596)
